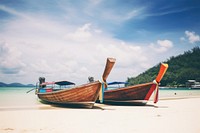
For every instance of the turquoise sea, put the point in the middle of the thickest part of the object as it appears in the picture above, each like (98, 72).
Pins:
(17, 96)
(172, 93)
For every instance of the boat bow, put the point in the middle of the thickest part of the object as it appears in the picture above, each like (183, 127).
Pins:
(155, 85)
(109, 65)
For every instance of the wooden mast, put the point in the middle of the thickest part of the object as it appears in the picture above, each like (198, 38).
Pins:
(109, 65)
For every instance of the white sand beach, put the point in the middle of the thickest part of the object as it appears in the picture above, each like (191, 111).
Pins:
(168, 116)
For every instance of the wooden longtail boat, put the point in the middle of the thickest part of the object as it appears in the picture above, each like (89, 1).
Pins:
(136, 94)
(82, 96)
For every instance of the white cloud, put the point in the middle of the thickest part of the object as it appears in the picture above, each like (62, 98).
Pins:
(182, 39)
(116, 16)
(81, 34)
(40, 46)
(133, 13)
(161, 46)
(10, 59)
(75, 57)
(95, 2)
(166, 12)
(11, 11)
(192, 37)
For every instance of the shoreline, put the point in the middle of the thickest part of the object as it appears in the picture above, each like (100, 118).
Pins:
(39, 105)
(179, 97)
(174, 116)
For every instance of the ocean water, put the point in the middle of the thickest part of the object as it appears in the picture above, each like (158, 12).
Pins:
(17, 96)
(171, 93)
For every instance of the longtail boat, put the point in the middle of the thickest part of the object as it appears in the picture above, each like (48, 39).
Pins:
(135, 94)
(81, 96)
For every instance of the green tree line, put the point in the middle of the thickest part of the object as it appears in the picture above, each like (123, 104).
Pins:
(181, 68)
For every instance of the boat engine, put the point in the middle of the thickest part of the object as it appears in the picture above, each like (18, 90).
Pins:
(91, 79)
(41, 80)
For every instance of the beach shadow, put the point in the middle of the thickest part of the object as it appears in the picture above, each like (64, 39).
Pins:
(124, 103)
(151, 105)
(155, 106)
(134, 104)
(103, 106)
(70, 106)
(73, 106)
(161, 107)
(100, 108)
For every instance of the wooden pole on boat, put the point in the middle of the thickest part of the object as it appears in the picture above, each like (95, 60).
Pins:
(154, 87)
(109, 65)
(163, 69)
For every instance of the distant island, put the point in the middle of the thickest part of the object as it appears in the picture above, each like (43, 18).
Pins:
(15, 85)
(182, 68)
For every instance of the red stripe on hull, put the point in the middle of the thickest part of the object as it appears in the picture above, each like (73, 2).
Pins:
(153, 87)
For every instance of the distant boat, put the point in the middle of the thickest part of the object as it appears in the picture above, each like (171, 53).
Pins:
(135, 94)
(83, 95)
(193, 84)
(196, 86)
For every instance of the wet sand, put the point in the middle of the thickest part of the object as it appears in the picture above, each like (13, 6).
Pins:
(167, 116)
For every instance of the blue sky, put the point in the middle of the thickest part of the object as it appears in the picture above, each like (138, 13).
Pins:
(71, 39)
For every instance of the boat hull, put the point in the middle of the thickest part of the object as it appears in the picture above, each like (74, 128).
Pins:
(137, 94)
(84, 95)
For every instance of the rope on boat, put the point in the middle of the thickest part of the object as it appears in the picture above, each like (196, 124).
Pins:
(156, 91)
(155, 82)
(101, 92)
